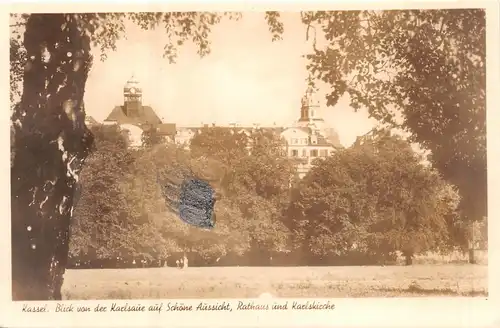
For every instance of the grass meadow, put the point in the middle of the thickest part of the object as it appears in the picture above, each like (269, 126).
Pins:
(452, 279)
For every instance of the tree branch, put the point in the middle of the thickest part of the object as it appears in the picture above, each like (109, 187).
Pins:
(307, 35)
(441, 34)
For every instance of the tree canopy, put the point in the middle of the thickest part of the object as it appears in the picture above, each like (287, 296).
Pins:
(125, 212)
(419, 70)
(375, 198)
(256, 180)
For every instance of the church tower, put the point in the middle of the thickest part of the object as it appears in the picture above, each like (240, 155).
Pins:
(132, 94)
(310, 111)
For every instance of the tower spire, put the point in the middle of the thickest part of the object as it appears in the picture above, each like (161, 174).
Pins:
(309, 112)
(309, 104)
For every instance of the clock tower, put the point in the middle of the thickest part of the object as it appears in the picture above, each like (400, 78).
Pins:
(310, 111)
(132, 94)
(133, 116)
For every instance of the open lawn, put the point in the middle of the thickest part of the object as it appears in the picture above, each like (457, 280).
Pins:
(250, 282)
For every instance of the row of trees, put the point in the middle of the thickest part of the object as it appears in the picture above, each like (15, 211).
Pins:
(370, 201)
(123, 210)
(437, 65)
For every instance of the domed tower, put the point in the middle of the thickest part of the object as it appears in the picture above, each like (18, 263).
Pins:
(310, 111)
(132, 98)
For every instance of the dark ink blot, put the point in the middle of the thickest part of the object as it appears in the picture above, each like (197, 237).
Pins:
(196, 204)
(193, 199)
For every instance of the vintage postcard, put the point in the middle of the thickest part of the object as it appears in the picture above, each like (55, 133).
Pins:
(242, 164)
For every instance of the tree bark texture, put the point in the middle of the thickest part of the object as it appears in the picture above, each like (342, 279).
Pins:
(51, 144)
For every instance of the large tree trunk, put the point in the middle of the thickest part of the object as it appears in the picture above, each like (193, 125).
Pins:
(51, 144)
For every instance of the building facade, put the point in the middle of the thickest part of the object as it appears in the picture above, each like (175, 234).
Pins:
(136, 118)
(304, 145)
(305, 140)
(310, 138)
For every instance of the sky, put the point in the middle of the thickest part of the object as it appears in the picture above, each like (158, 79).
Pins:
(245, 79)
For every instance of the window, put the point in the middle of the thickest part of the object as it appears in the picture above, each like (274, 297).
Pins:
(324, 153)
(304, 153)
(314, 153)
(295, 153)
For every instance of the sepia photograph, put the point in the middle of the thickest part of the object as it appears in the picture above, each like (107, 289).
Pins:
(248, 154)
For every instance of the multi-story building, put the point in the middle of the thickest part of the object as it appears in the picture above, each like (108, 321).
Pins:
(137, 118)
(305, 140)
(309, 138)
(305, 145)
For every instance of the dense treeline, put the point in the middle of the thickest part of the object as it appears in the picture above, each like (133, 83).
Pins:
(360, 206)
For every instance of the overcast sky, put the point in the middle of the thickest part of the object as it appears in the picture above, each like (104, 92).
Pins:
(246, 79)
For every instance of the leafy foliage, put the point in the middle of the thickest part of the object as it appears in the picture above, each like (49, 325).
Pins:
(170, 165)
(434, 63)
(50, 117)
(275, 25)
(17, 59)
(101, 223)
(123, 212)
(151, 137)
(181, 27)
(424, 66)
(264, 169)
(217, 142)
(375, 198)
(256, 180)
